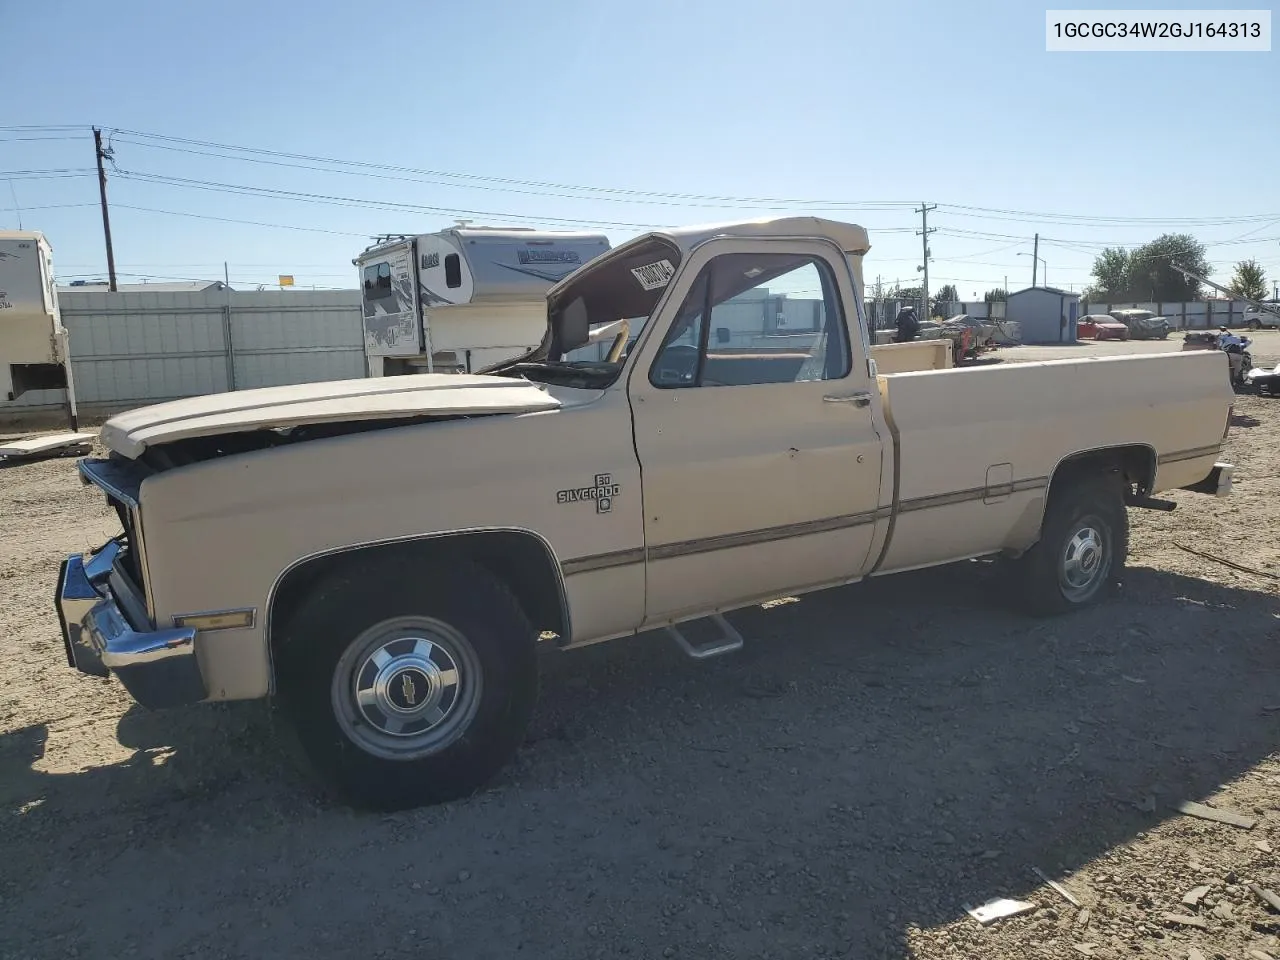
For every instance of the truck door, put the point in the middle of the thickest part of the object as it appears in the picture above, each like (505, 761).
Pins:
(754, 426)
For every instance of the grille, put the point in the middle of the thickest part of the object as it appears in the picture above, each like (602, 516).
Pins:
(128, 561)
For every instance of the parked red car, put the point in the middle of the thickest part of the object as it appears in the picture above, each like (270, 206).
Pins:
(1101, 326)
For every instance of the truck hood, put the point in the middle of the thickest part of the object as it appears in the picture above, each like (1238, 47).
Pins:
(335, 401)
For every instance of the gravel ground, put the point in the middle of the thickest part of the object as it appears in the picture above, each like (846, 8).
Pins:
(878, 758)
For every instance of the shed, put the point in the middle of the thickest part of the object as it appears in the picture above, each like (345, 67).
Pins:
(1044, 314)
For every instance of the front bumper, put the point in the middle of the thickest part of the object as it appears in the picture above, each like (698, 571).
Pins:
(157, 667)
(1218, 481)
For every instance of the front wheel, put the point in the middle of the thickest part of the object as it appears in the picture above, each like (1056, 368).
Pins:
(408, 690)
(1083, 545)
(1255, 325)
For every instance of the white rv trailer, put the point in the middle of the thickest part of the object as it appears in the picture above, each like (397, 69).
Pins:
(34, 345)
(462, 298)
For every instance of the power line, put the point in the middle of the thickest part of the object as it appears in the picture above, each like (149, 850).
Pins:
(35, 139)
(999, 213)
(619, 194)
(393, 205)
(50, 206)
(437, 179)
(50, 174)
(363, 164)
(1031, 216)
(44, 127)
(342, 201)
(250, 223)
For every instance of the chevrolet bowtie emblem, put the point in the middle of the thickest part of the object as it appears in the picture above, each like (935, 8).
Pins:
(407, 688)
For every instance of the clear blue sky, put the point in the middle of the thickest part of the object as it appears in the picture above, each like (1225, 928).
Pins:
(941, 102)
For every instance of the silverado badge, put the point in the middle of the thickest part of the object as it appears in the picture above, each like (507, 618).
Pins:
(602, 493)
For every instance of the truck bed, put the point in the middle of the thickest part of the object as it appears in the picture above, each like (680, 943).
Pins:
(996, 434)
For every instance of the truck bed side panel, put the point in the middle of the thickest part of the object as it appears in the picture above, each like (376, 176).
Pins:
(976, 448)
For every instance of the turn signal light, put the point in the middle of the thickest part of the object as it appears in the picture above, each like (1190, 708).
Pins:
(220, 620)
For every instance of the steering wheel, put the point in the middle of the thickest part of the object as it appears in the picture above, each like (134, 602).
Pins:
(678, 364)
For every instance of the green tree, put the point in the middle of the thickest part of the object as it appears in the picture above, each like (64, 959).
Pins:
(1249, 281)
(943, 299)
(906, 293)
(1111, 270)
(998, 294)
(1151, 277)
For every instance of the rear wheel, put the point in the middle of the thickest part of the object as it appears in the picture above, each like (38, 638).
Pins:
(1083, 545)
(406, 690)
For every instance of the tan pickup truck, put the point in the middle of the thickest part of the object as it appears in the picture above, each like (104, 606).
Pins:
(385, 555)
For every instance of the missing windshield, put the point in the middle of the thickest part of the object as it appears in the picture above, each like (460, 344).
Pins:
(587, 343)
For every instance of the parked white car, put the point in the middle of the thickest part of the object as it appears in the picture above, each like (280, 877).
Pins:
(1256, 319)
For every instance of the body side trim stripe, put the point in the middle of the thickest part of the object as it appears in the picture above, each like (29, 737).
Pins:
(1178, 456)
(686, 548)
(603, 561)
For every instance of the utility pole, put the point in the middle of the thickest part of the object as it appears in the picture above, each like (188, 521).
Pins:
(924, 233)
(226, 274)
(1035, 262)
(106, 218)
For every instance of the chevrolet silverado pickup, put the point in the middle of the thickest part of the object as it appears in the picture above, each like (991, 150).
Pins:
(384, 556)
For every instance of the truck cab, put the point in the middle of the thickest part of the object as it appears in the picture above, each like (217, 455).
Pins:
(463, 298)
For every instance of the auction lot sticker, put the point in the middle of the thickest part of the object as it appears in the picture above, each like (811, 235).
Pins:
(653, 276)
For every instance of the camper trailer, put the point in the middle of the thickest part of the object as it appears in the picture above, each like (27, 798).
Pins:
(34, 353)
(463, 298)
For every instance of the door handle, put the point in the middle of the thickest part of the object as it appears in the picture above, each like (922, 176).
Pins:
(860, 399)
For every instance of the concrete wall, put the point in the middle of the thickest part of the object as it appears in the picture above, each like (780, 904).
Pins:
(133, 349)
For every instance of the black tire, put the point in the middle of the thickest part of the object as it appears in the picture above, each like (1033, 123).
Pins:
(1255, 325)
(373, 618)
(1078, 502)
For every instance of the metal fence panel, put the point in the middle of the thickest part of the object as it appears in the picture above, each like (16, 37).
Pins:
(137, 348)
(278, 340)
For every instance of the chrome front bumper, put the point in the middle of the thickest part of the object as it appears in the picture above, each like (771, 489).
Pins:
(157, 667)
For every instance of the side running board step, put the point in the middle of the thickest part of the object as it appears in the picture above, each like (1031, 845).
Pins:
(727, 639)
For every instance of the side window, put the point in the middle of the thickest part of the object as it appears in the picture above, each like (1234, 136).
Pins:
(377, 281)
(755, 319)
(453, 271)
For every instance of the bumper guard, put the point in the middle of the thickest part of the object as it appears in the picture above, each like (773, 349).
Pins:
(157, 667)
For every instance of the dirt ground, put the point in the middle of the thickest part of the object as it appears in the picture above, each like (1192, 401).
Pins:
(879, 757)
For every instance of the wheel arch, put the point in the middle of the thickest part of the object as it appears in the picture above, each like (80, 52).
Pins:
(1133, 463)
(520, 558)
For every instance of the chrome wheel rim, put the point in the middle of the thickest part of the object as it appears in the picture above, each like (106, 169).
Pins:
(406, 688)
(1083, 563)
